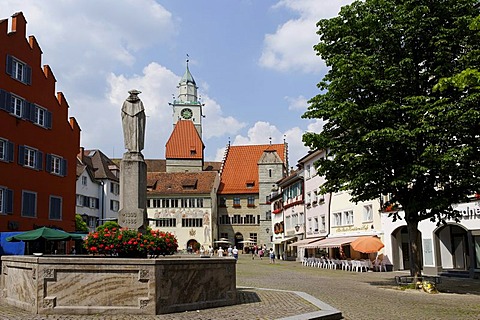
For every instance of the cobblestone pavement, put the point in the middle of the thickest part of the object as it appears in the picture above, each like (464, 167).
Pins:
(367, 295)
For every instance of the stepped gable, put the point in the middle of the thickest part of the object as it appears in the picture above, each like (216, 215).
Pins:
(184, 142)
(170, 183)
(241, 167)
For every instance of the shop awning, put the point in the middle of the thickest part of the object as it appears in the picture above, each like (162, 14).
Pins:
(279, 241)
(304, 242)
(331, 242)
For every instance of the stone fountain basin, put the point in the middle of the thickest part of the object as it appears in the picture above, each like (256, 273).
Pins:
(107, 285)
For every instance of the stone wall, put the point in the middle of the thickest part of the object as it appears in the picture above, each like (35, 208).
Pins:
(104, 285)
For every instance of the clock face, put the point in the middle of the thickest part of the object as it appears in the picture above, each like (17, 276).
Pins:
(186, 113)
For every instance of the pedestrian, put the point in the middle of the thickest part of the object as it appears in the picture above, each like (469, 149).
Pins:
(220, 252)
(202, 250)
(210, 251)
(229, 250)
(272, 256)
(260, 254)
(235, 253)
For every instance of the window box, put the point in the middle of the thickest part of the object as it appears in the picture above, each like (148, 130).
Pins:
(237, 205)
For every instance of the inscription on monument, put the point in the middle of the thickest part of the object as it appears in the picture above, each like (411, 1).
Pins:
(130, 219)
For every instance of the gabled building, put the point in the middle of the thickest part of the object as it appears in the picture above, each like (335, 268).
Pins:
(97, 188)
(248, 174)
(293, 212)
(317, 205)
(38, 140)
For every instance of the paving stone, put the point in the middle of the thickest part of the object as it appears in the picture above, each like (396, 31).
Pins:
(367, 295)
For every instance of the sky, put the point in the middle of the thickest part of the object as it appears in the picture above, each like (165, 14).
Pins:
(252, 60)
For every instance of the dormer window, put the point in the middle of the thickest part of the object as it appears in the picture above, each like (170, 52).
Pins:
(189, 184)
(250, 184)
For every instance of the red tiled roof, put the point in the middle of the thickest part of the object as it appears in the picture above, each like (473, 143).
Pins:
(240, 167)
(181, 182)
(184, 142)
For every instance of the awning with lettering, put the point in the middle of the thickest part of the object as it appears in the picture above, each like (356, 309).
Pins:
(304, 242)
(279, 241)
(335, 242)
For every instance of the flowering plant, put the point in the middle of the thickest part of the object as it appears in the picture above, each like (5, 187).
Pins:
(130, 243)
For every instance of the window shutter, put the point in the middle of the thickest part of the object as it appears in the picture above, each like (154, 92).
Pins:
(48, 162)
(9, 156)
(8, 201)
(63, 167)
(9, 65)
(48, 119)
(21, 155)
(26, 110)
(28, 75)
(32, 108)
(39, 162)
(5, 101)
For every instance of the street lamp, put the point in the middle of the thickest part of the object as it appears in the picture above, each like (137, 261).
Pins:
(297, 227)
(267, 229)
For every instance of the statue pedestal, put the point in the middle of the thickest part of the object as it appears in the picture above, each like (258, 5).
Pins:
(133, 191)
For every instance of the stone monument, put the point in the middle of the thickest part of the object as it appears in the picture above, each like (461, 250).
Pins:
(133, 169)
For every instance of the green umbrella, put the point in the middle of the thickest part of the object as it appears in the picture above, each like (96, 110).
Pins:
(44, 233)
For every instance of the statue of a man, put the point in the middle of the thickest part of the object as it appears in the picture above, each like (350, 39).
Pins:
(133, 122)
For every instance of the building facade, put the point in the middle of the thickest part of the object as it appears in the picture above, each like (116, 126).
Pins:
(38, 140)
(293, 213)
(450, 248)
(317, 205)
(98, 188)
(247, 177)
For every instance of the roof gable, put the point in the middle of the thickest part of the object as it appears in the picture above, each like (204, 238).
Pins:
(184, 142)
(240, 168)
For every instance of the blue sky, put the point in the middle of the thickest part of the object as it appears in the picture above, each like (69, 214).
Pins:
(252, 60)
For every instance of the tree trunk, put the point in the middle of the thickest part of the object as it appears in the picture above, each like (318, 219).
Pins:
(415, 259)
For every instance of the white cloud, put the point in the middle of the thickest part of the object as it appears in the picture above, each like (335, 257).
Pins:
(298, 103)
(87, 39)
(262, 132)
(291, 46)
(316, 126)
(157, 84)
(214, 123)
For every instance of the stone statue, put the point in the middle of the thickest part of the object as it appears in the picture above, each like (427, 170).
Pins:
(133, 122)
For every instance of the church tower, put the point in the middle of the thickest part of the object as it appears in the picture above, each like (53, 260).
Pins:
(186, 106)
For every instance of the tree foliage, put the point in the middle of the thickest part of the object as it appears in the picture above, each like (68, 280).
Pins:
(80, 225)
(386, 128)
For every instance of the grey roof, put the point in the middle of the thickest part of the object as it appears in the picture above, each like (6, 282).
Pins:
(187, 77)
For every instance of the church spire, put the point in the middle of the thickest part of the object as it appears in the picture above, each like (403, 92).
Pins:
(187, 88)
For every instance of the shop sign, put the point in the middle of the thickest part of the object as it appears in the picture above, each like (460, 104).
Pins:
(352, 228)
(468, 211)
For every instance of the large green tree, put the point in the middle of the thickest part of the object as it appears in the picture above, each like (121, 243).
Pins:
(386, 129)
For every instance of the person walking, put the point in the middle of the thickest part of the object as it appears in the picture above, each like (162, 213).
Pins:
(235, 253)
(220, 252)
(210, 251)
(272, 256)
(229, 250)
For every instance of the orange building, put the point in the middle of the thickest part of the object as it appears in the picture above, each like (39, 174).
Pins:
(38, 142)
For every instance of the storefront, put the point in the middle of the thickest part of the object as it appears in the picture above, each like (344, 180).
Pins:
(447, 248)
